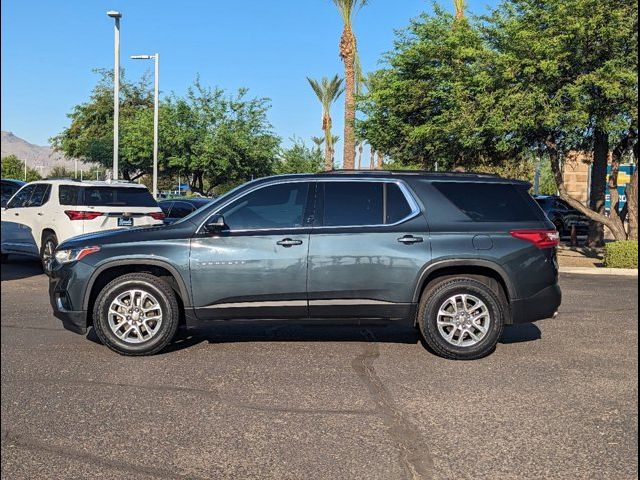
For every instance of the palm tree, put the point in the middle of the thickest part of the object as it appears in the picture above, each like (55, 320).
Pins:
(327, 90)
(318, 142)
(459, 6)
(348, 54)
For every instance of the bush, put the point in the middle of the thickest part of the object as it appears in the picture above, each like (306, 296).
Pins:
(621, 254)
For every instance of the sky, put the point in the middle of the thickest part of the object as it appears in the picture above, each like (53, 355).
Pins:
(49, 49)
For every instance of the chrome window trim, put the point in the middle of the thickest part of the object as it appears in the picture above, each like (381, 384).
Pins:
(413, 204)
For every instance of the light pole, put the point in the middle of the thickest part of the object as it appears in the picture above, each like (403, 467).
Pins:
(116, 88)
(156, 58)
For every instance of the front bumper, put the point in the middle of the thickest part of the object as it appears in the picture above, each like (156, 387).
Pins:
(542, 305)
(62, 303)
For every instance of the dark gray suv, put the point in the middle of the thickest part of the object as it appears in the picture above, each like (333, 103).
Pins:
(460, 255)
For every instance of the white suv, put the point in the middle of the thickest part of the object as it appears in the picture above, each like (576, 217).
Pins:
(42, 214)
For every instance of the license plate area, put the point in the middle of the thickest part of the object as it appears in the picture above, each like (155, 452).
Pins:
(125, 221)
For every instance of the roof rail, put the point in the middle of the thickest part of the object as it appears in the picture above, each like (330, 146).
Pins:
(409, 172)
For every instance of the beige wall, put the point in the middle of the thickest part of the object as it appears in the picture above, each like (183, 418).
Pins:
(576, 175)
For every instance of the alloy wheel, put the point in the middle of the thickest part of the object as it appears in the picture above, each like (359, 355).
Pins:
(135, 316)
(463, 320)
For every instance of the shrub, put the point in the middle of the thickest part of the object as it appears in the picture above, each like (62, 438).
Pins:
(621, 254)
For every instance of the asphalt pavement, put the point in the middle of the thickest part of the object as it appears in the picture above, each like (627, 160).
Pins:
(557, 399)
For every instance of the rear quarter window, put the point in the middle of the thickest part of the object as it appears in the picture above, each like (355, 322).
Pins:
(490, 202)
(68, 194)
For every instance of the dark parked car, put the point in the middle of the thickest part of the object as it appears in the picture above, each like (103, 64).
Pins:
(176, 208)
(563, 215)
(459, 255)
(8, 188)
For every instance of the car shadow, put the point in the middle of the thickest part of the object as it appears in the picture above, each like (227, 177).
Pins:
(17, 267)
(316, 331)
(526, 332)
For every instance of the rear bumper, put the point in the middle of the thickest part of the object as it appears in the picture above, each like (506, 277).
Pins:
(542, 305)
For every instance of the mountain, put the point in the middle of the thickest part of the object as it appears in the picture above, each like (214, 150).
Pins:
(38, 157)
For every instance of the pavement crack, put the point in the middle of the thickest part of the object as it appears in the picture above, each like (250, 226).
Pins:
(11, 439)
(414, 451)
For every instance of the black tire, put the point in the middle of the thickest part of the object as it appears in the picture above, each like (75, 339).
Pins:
(435, 296)
(49, 241)
(167, 302)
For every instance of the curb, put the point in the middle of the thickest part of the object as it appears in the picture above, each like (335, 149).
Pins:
(626, 272)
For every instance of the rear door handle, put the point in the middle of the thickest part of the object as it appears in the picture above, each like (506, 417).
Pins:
(410, 239)
(288, 242)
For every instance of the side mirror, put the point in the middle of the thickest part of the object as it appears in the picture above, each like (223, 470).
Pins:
(215, 224)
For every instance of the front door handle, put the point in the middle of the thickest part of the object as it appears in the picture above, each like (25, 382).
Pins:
(288, 242)
(410, 239)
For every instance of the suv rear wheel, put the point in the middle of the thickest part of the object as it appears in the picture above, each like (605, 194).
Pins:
(136, 314)
(461, 318)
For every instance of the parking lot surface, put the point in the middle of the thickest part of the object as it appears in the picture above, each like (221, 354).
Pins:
(557, 399)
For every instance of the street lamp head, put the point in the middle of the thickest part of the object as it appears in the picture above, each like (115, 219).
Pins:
(141, 57)
(114, 14)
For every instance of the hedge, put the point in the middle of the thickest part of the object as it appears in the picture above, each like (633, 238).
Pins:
(621, 254)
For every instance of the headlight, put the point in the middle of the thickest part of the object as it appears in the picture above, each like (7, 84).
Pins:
(74, 254)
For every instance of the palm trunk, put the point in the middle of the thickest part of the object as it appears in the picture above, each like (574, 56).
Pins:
(380, 161)
(328, 143)
(598, 186)
(360, 150)
(348, 54)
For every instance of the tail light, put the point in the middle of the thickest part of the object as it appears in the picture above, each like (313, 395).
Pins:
(540, 238)
(80, 215)
(157, 215)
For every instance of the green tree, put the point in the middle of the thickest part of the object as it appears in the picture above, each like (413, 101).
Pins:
(568, 80)
(299, 159)
(60, 171)
(349, 55)
(434, 103)
(90, 133)
(328, 91)
(214, 138)
(13, 167)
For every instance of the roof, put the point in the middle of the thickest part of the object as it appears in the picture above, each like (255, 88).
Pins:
(407, 174)
(90, 183)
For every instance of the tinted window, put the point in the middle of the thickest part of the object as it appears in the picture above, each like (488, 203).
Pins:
(40, 195)
(22, 197)
(276, 206)
(68, 194)
(397, 206)
(181, 209)
(487, 202)
(353, 203)
(8, 189)
(165, 207)
(117, 196)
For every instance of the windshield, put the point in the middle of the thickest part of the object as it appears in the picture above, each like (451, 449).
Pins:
(115, 196)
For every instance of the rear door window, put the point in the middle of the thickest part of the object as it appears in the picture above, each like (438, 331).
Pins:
(117, 196)
(40, 195)
(489, 202)
(397, 206)
(361, 204)
(353, 204)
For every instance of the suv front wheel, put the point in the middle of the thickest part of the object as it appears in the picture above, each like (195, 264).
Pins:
(461, 318)
(136, 314)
